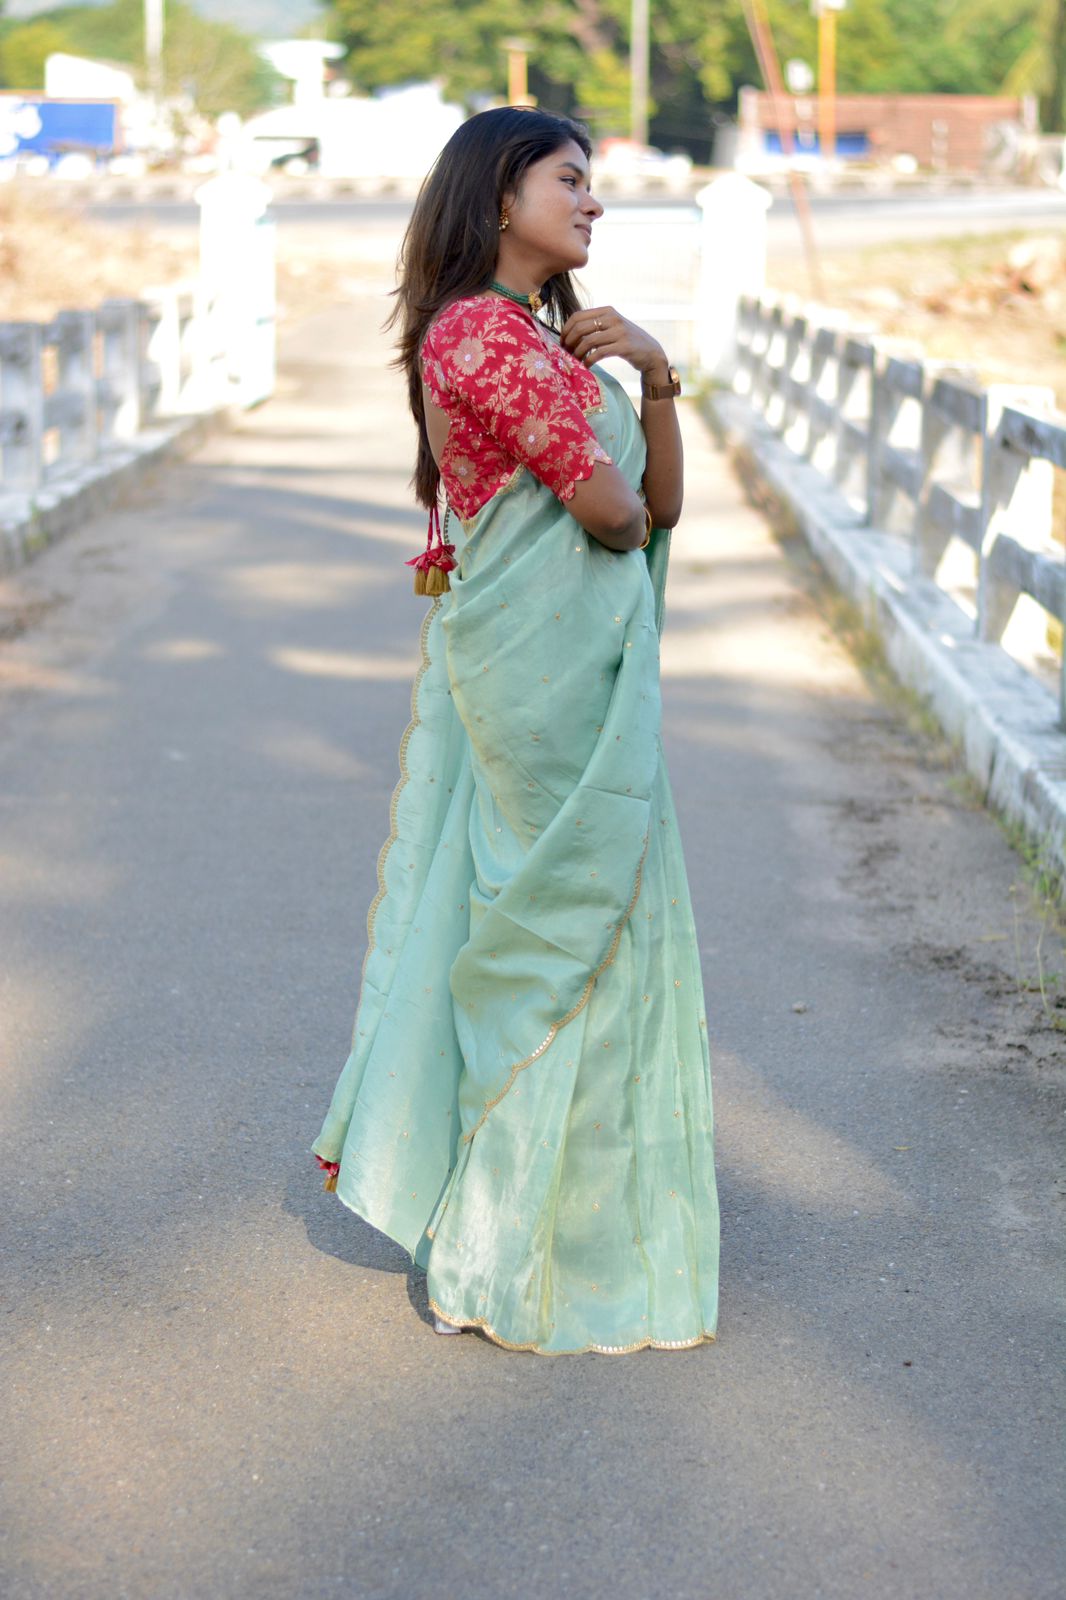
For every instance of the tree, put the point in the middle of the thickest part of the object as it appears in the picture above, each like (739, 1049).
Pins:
(217, 65)
(578, 58)
(24, 50)
(701, 52)
(1002, 45)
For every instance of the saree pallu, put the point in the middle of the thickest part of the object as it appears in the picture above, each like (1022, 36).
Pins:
(527, 1104)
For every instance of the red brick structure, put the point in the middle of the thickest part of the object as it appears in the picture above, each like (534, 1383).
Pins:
(945, 131)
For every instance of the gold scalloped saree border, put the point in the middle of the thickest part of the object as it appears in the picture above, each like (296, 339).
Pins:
(600, 1349)
(483, 1325)
(582, 1002)
(423, 667)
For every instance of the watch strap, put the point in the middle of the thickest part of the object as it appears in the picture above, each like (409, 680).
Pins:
(660, 391)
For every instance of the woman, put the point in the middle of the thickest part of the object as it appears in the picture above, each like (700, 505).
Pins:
(527, 1103)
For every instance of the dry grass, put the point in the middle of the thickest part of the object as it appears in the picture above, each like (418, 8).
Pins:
(961, 300)
(53, 258)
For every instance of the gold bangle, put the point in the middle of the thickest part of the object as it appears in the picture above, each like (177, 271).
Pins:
(647, 530)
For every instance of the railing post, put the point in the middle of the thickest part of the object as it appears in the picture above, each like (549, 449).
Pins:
(1016, 502)
(954, 423)
(744, 334)
(823, 350)
(768, 325)
(21, 405)
(120, 379)
(880, 424)
(1016, 494)
(164, 349)
(854, 402)
(76, 385)
(892, 467)
(795, 338)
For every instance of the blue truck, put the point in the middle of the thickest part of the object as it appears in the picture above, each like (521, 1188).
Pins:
(36, 124)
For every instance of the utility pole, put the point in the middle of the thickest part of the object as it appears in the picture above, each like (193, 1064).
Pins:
(153, 46)
(639, 46)
(757, 18)
(1053, 111)
(826, 12)
(517, 80)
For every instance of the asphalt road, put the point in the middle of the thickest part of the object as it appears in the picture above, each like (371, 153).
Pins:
(843, 221)
(217, 1381)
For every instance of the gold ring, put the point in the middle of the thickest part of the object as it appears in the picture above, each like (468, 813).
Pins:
(599, 324)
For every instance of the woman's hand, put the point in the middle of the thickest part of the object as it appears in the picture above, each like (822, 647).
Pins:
(664, 463)
(602, 331)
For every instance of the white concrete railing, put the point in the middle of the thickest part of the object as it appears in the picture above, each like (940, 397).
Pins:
(89, 382)
(921, 449)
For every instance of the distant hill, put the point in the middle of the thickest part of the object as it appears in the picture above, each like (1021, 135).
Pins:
(265, 19)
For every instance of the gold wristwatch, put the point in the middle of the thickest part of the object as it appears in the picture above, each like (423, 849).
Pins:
(660, 391)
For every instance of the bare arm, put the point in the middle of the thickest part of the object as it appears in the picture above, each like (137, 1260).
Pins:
(663, 481)
(664, 471)
(607, 508)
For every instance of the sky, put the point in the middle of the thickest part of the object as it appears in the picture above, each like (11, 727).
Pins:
(269, 19)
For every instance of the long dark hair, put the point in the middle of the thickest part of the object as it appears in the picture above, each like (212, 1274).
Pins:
(452, 240)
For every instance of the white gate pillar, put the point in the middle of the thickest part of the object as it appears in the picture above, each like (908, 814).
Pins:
(732, 263)
(237, 288)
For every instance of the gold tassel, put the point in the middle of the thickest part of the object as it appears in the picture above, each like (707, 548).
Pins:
(437, 581)
(433, 565)
(433, 581)
(331, 1181)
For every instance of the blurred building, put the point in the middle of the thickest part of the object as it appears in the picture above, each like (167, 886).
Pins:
(396, 133)
(939, 132)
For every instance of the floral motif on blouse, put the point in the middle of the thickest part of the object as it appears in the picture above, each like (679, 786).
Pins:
(514, 397)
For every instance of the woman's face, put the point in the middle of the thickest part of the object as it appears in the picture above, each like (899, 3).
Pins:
(551, 217)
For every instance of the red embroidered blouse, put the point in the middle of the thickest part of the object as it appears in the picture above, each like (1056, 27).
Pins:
(514, 397)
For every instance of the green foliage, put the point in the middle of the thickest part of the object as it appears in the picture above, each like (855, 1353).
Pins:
(23, 50)
(578, 49)
(605, 91)
(993, 41)
(217, 65)
(701, 52)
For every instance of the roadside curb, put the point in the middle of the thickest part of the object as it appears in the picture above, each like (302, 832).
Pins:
(30, 522)
(1004, 723)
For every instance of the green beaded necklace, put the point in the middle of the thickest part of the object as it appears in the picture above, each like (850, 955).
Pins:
(532, 302)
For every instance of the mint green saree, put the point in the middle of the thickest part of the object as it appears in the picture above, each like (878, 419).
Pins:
(527, 1103)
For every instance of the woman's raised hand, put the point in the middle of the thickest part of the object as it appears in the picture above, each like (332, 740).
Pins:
(602, 331)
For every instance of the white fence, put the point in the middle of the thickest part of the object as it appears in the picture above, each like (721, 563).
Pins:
(923, 450)
(78, 389)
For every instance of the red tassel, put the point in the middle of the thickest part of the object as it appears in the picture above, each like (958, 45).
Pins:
(436, 561)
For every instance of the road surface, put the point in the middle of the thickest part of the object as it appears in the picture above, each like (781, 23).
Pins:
(218, 1381)
(846, 221)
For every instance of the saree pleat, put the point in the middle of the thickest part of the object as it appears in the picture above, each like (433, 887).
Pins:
(527, 1105)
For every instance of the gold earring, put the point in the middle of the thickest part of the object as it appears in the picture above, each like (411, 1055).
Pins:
(505, 221)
